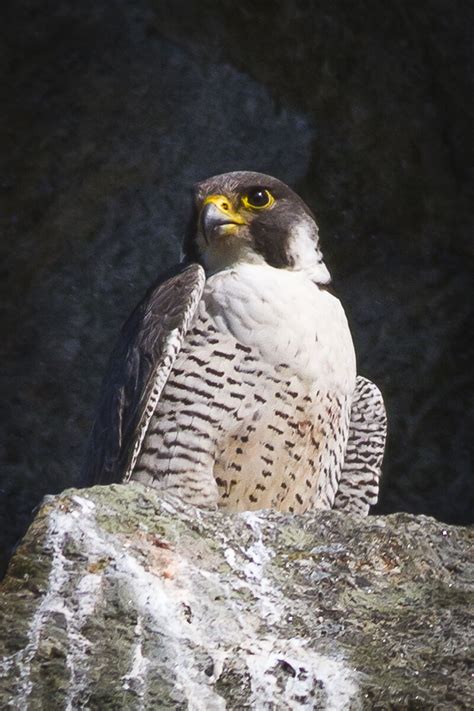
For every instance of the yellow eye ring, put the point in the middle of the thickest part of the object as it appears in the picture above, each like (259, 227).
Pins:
(258, 199)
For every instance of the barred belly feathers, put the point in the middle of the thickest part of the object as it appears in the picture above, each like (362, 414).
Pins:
(234, 382)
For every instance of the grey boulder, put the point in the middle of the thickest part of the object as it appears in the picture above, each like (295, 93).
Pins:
(117, 599)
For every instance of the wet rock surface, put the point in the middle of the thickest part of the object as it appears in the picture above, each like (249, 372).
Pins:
(117, 599)
(110, 111)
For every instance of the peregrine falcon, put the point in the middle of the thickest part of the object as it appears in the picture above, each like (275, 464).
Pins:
(233, 383)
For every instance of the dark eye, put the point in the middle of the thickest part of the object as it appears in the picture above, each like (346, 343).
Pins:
(258, 198)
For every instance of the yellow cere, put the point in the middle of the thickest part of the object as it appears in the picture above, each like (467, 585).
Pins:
(224, 205)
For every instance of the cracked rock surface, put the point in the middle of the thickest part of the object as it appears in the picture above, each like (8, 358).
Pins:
(117, 599)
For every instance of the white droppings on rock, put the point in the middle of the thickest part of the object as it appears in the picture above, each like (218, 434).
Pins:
(264, 656)
(194, 622)
(84, 600)
(301, 672)
(231, 558)
(135, 679)
(158, 599)
(52, 602)
(259, 555)
(87, 594)
(131, 604)
(86, 505)
(76, 605)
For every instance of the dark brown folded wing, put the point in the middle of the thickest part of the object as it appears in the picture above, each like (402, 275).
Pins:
(137, 372)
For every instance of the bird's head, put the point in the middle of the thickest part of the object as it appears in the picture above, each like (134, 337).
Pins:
(246, 217)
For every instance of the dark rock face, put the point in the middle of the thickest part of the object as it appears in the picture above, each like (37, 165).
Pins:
(117, 599)
(111, 111)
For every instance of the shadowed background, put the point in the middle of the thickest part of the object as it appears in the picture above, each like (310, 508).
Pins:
(111, 110)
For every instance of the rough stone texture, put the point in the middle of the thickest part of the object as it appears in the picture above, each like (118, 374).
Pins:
(117, 599)
(110, 110)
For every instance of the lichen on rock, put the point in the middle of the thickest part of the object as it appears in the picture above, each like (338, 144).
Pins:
(119, 599)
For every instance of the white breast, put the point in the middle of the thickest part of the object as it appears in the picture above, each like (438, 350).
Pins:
(287, 318)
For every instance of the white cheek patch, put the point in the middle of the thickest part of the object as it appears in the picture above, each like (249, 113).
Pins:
(305, 251)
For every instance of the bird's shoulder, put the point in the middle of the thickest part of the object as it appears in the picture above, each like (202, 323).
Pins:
(138, 368)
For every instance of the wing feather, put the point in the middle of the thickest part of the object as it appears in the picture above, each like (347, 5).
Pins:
(137, 372)
(358, 487)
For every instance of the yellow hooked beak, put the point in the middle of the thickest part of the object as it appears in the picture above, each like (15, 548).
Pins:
(217, 212)
(224, 206)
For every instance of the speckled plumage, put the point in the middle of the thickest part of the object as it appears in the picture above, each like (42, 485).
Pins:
(264, 417)
(240, 390)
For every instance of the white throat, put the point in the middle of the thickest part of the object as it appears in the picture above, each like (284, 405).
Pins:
(287, 318)
(227, 253)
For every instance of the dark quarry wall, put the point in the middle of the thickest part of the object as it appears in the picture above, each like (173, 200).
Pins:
(111, 110)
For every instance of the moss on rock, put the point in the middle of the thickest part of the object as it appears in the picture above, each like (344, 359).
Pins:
(117, 599)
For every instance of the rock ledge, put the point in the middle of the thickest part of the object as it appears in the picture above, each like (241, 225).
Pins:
(117, 599)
